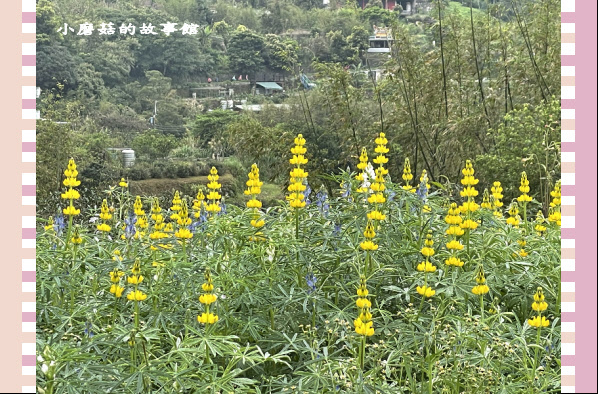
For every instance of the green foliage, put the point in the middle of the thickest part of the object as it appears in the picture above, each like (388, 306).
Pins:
(376, 15)
(246, 52)
(211, 125)
(114, 60)
(528, 140)
(281, 54)
(276, 332)
(47, 24)
(153, 144)
(55, 65)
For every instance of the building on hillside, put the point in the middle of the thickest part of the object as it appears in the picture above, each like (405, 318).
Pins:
(267, 88)
(381, 41)
(379, 51)
(407, 5)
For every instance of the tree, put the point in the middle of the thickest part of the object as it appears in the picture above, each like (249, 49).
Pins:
(153, 144)
(47, 24)
(340, 51)
(156, 88)
(376, 15)
(246, 52)
(114, 60)
(281, 54)
(359, 39)
(90, 84)
(211, 125)
(54, 65)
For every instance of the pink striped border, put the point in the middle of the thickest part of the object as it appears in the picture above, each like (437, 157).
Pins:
(571, 357)
(578, 112)
(28, 116)
(568, 198)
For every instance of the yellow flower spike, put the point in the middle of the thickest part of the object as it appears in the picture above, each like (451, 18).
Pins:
(425, 291)
(297, 174)
(424, 178)
(539, 305)
(368, 245)
(538, 321)
(407, 175)
(369, 232)
(481, 288)
(556, 195)
(135, 280)
(376, 215)
(454, 261)
(513, 219)
(117, 290)
(115, 275)
(486, 200)
(123, 183)
(138, 207)
(540, 226)
(136, 269)
(426, 266)
(524, 189)
(363, 160)
(363, 324)
(136, 295)
(50, 225)
(207, 299)
(71, 194)
(76, 239)
(105, 211)
(213, 195)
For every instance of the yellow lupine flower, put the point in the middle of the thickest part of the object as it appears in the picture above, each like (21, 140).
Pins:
(115, 275)
(363, 303)
(426, 266)
(481, 288)
(454, 261)
(425, 291)
(117, 290)
(524, 189)
(556, 195)
(538, 321)
(427, 251)
(454, 245)
(135, 279)
(136, 295)
(70, 194)
(103, 227)
(368, 245)
(207, 299)
(376, 215)
(207, 318)
(539, 305)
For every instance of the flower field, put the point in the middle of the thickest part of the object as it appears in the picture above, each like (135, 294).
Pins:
(386, 286)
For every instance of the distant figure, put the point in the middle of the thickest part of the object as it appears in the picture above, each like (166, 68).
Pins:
(234, 78)
(209, 80)
(246, 77)
(216, 79)
(240, 77)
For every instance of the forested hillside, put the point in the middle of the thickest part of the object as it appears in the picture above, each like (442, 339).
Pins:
(477, 78)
